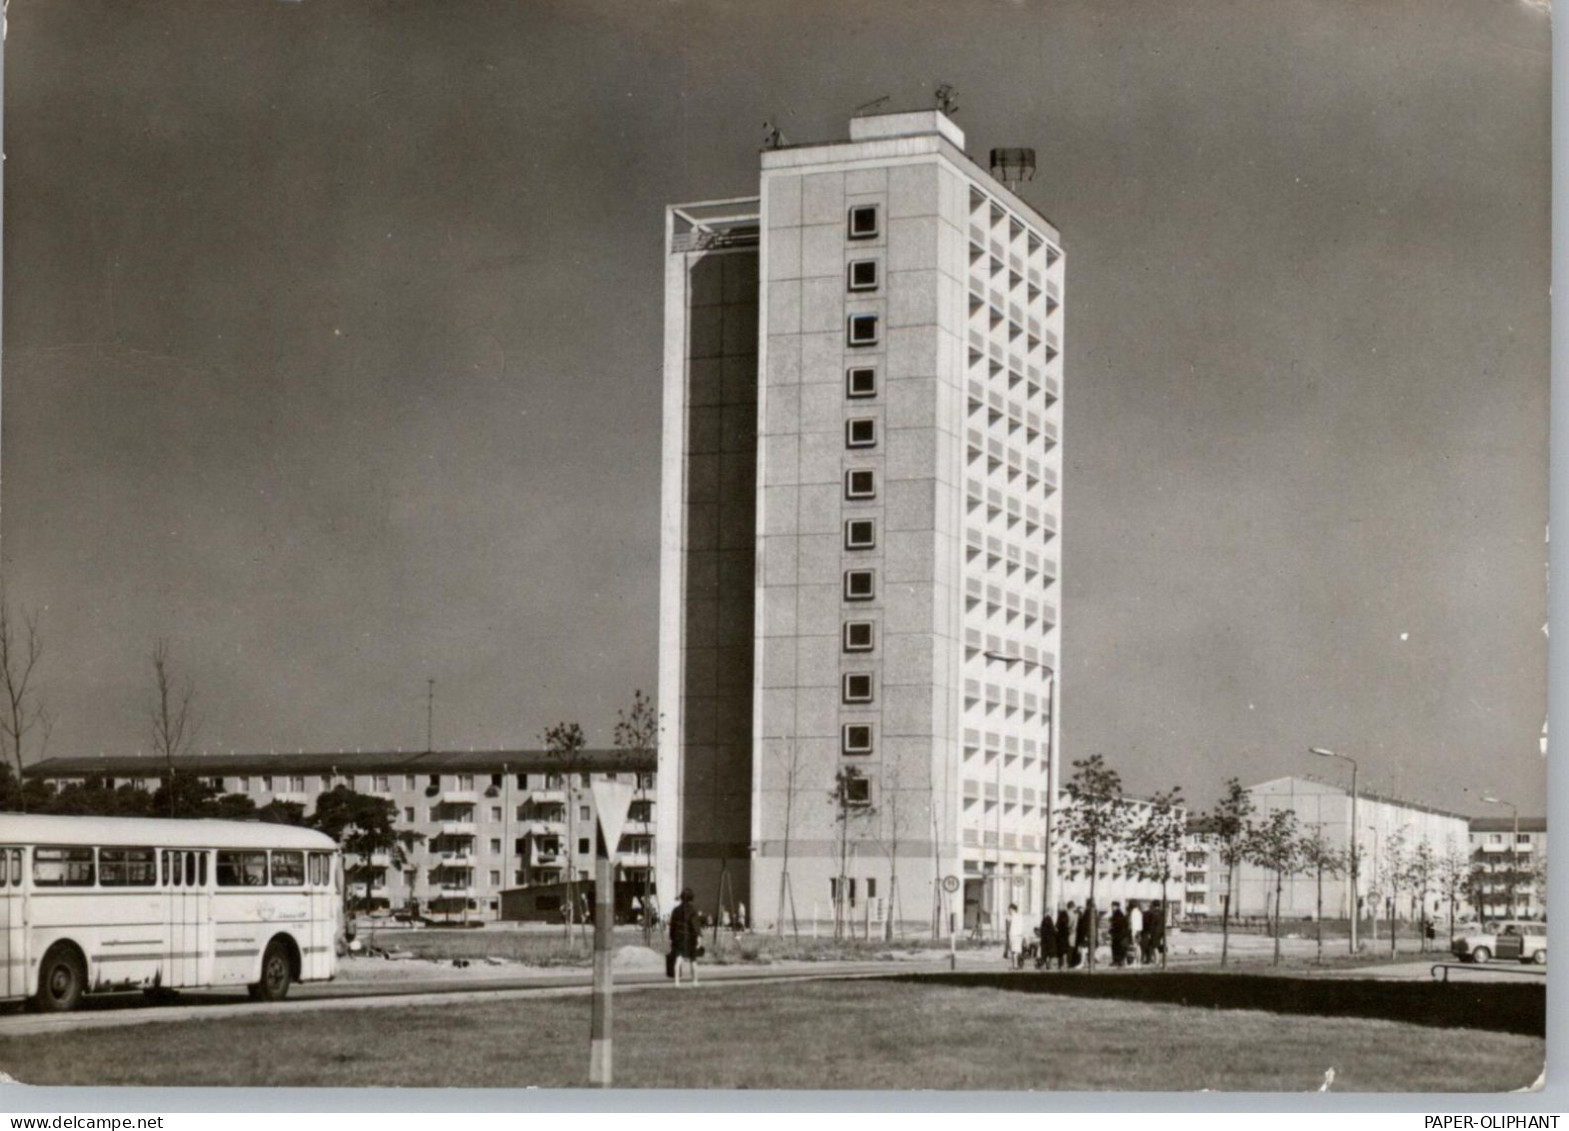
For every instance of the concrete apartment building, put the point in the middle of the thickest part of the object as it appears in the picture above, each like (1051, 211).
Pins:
(492, 820)
(1381, 822)
(1507, 852)
(861, 526)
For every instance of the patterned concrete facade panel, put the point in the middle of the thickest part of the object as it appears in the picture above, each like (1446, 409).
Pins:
(705, 331)
(822, 408)
(912, 352)
(784, 309)
(739, 328)
(819, 610)
(820, 509)
(822, 251)
(779, 510)
(907, 659)
(782, 203)
(820, 456)
(818, 716)
(912, 298)
(782, 409)
(738, 428)
(822, 304)
(912, 505)
(778, 663)
(912, 453)
(740, 379)
(780, 610)
(909, 607)
(818, 662)
(740, 281)
(865, 182)
(911, 403)
(779, 711)
(784, 255)
(912, 244)
(910, 556)
(703, 426)
(822, 358)
(779, 561)
(780, 456)
(784, 359)
(702, 477)
(702, 527)
(912, 190)
(822, 199)
(820, 558)
(705, 385)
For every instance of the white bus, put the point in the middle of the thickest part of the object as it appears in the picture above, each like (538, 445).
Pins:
(91, 904)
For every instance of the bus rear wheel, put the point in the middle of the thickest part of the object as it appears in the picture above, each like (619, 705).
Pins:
(276, 976)
(62, 979)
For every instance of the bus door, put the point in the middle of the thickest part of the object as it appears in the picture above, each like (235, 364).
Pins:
(199, 928)
(186, 915)
(13, 932)
(323, 913)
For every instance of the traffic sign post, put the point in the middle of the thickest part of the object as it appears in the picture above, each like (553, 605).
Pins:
(950, 884)
(611, 802)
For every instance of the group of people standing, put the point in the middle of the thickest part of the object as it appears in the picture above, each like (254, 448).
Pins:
(1136, 935)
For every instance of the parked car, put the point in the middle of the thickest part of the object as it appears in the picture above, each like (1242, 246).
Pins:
(1519, 940)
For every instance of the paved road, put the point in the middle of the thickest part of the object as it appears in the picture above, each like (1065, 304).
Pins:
(113, 1010)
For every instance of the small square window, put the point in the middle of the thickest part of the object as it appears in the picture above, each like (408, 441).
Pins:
(858, 687)
(860, 534)
(859, 636)
(862, 329)
(860, 584)
(856, 738)
(863, 221)
(861, 381)
(860, 433)
(863, 275)
(860, 483)
(858, 793)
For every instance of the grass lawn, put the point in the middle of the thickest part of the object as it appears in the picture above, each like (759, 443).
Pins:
(861, 1034)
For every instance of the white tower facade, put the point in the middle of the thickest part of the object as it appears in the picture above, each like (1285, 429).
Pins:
(905, 508)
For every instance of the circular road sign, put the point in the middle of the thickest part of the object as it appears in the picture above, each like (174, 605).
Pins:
(950, 884)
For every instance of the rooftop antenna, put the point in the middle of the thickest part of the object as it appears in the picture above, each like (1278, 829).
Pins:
(1010, 166)
(773, 137)
(430, 715)
(868, 106)
(947, 99)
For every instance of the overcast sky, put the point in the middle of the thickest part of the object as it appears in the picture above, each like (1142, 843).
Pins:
(332, 354)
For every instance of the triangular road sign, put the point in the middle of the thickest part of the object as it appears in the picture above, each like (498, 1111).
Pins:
(612, 799)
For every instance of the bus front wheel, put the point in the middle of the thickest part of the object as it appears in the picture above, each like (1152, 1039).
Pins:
(62, 979)
(276, 975)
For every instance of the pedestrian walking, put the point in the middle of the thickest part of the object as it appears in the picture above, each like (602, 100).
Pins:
(1119, 934)
(686, 937)
(1135, 933)
(1155, 930)
(1064, 935)
(1048, 944)
(1084, 932)
(1013, 925)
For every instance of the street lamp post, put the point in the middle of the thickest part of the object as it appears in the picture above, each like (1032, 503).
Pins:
(1354, 865)
(1048, 880)
(1514, 847)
